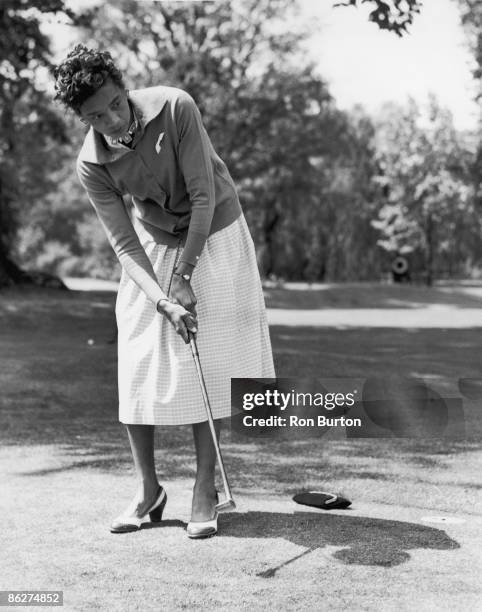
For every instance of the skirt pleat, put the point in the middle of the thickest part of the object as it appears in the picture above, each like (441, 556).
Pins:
(157, 378)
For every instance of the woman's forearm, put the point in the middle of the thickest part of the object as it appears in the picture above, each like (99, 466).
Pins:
(120, 232)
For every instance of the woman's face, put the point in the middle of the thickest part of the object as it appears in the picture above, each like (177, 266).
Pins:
(107, 111)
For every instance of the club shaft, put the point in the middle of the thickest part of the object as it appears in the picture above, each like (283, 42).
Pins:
(227, 490)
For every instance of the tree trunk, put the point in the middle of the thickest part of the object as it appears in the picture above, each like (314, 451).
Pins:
(269, 225)
(429, 251)
(10, 273)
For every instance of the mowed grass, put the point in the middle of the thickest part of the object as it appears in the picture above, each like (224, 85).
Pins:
(69, 470)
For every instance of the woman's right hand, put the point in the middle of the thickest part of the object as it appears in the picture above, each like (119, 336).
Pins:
(182, 320)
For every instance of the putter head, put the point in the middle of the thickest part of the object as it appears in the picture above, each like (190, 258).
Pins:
(226, 505)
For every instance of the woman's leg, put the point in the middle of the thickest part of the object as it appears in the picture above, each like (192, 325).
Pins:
(204, 492)
(141, 438)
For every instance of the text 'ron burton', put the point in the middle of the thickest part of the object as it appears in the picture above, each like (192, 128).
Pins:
(294, 421)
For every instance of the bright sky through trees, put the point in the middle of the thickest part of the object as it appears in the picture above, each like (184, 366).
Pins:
(366, 65)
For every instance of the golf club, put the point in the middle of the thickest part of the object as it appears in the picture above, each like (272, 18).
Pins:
(228, 504)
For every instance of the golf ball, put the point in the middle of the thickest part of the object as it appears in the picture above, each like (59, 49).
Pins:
(90, 342)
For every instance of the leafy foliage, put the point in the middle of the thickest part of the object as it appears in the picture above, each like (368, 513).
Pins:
(392, 15)
(270, 117)
(429, 210)
(319, 186)
(31, 128)
(471, 17)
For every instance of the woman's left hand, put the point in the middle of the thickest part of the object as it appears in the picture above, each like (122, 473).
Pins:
(182, 293)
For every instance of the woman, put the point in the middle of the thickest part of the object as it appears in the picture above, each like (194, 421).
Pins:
(188, 262)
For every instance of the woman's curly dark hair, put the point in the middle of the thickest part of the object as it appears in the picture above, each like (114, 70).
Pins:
(82, 73)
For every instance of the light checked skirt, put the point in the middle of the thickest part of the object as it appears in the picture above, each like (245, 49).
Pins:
(158, 383)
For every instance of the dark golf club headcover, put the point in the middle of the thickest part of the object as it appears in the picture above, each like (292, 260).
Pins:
(321, 499)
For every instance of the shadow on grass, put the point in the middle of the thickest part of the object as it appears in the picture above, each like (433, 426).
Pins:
(268, 467)
(172, 461)
(372, 295)
(437, 354)
(57, 389)
(364, 540)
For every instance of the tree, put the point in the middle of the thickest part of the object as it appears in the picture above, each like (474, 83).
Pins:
(391, 15)
(59, 232)
(264, 108)
(350, 200)
(471, 18)
(429, 210)
(31, 128)
(271, 119)
(303, 168)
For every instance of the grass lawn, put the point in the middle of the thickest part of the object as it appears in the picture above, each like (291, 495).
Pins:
(67, 470)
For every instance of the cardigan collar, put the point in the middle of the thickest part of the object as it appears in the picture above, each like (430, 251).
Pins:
(147, 104)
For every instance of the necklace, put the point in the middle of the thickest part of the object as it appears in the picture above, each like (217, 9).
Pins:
(128, 137)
